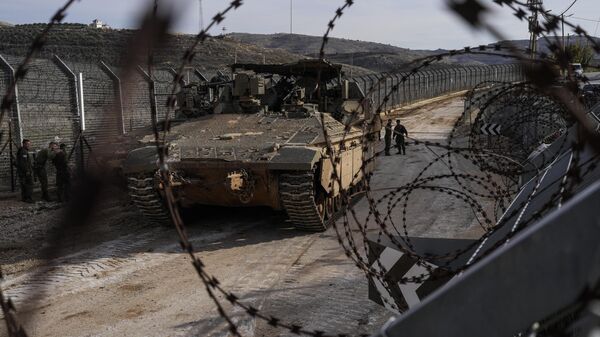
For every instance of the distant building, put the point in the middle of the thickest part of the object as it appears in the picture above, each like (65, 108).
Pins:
(99, 24)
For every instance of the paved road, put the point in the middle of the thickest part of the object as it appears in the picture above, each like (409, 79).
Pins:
(137, 283)
(593, 76)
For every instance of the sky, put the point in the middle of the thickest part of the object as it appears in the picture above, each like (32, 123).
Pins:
(415, 24)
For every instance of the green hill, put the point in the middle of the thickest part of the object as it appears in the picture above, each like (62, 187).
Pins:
(81, 43)
(78, 42)
(371, 55)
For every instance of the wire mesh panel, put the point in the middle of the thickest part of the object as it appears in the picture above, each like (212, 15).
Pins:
(163, 82)
(5, 176)
(47, 105)
(136, 108)
(99, 103)
(50, 105)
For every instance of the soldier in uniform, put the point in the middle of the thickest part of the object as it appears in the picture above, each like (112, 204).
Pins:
(388, 137)
(63, 175)
(25, 171)
(40, 168)
(399, 134)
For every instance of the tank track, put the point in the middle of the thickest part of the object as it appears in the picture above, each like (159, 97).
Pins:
(143, 193)
(297, 193)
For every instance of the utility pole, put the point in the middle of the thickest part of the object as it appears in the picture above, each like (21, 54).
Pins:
(291, 16)
(562, 19)
(535, 6)
(201, 16)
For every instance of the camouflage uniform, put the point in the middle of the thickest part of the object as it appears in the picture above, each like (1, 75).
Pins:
(25, 173)
(399, 133)
(388, 138)
(63, 176)
(40, 170)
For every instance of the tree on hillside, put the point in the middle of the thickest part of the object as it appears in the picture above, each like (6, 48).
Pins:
(579, 53)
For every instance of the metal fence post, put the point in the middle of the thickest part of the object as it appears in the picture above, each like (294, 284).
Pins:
(182, 79)
(152, 91)
(409, 89)
(77, 122)
(385, 90)
(362, 86)
(174, 73)
(471, 80)
(398, 94)
(17, 110)
(437, 81)
(392, 92)
(200, 75)
(379, 98)
(82, 122)
(118, 93)
(372, 88)
(81, 102)
(364, 81)
(447, 81)
(13, 184)
(421, 93)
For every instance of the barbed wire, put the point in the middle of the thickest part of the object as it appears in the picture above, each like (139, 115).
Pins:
(495, 183)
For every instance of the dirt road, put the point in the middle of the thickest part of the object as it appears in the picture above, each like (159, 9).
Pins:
(127, 278)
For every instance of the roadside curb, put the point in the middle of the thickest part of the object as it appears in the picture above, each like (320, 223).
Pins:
(398, 112)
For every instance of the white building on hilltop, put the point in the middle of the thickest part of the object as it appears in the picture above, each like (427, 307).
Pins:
(99, 24)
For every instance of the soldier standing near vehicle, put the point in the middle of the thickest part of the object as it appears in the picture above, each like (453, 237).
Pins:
(25, 171)
(388, 137)
(399, 134)
(63, 175)
(40, 167)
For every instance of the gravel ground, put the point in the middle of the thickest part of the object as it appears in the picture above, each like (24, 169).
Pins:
(27, 227)
(124, 277)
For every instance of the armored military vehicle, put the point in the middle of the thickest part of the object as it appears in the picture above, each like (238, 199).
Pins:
(263, 145)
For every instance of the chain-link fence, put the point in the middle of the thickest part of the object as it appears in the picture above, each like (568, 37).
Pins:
(422, 85)
(63, 101)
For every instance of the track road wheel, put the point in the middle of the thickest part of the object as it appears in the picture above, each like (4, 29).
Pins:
(306, 209)
(144, 194)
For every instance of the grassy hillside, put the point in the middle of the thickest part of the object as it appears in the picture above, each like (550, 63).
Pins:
(374, 56)
(80, 43)
(77, 42)
(371, 55)
(306, 44)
